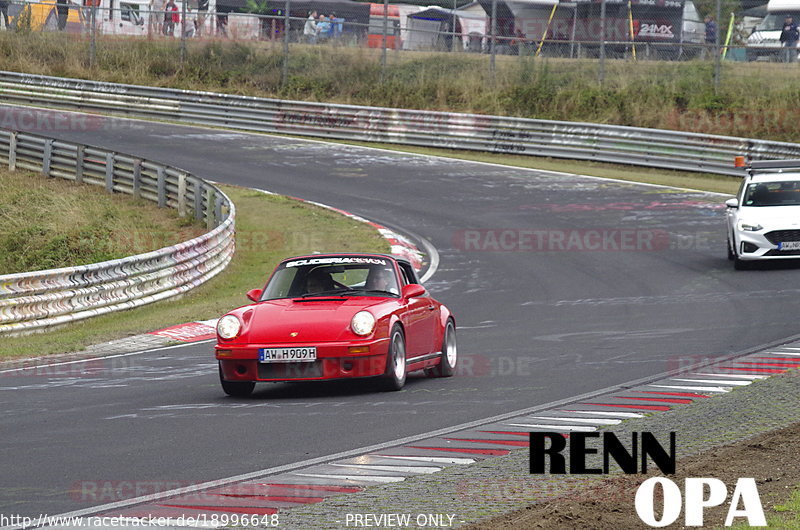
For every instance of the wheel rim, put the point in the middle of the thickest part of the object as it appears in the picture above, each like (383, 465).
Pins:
(452, 349)
(399, 360)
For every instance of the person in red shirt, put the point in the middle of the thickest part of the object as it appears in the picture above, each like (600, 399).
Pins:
(171, 17)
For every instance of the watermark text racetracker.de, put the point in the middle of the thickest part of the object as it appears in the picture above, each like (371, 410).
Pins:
(69, 367)
(43, 121)
(211, 520)
(578, 240)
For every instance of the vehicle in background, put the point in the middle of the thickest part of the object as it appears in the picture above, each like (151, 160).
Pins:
(376, 26)
(433, 28)
(763, 220)
(43, 16)
(693, 31)
(669, 29)
(764, 42)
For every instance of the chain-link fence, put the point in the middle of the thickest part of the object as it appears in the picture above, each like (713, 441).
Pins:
(601, 33)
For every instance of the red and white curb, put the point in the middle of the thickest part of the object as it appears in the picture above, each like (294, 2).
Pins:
(280, 489)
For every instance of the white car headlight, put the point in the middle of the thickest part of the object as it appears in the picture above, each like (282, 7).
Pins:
(228, 327)
(363, 323)
(749, 227)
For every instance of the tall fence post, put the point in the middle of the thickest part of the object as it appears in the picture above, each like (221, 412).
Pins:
(110, 172)
(93, 37)
(493, 41)
(286, 24)
(601, 74)
(717, 55)
(183, 32)
(47, 157)
(12, 151)
(384, 37)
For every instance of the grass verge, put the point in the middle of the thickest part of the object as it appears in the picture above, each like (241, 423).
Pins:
(51, 223)
(268, 227)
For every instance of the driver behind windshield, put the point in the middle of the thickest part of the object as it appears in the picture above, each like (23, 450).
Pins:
(318, 281)
(381, 279)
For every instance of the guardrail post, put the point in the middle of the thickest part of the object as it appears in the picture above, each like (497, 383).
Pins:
(210, 199)
(198, 200)
(162, 187)
(137, 179)
(182, 195)
(79, 164)
(218, 210)
(12, 151)
(47, 157)
(110, 172)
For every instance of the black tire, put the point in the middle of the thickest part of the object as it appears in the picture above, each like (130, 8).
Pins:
(394, 377)
(236, 388)
(447, 366)
(740, 265)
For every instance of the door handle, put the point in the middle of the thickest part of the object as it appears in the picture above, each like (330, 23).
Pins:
(431, 307)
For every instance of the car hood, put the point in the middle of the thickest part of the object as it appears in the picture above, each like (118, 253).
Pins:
(299, 321)
(773, 217)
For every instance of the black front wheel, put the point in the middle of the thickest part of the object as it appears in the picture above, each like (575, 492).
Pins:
(447, 366)
(394, 378)
(236, 388)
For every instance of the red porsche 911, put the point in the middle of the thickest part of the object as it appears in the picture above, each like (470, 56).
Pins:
(336, 316)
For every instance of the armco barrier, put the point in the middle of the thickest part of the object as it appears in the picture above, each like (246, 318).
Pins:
(34, 301)
(585, 141)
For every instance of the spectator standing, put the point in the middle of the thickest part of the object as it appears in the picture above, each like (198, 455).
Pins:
(711, 36)
(222, 24)
(310, 29)
(4, 11)
(789, 37)
(323, 27)
(62, 10)
(171, 17)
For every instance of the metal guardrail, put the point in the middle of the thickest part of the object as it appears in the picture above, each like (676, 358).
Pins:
(34, 301)
(573, 140)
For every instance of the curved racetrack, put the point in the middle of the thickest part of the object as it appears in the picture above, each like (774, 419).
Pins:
(534, 326)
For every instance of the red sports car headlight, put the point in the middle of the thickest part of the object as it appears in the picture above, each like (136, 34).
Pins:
(228, 327)
(362, 323)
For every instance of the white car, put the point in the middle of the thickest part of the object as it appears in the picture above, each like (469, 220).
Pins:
(764, 217)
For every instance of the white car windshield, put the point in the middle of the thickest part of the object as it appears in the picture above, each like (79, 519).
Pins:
(786, 193)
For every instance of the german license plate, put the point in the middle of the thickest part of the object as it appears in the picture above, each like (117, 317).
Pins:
(789, 245)
(287, 355)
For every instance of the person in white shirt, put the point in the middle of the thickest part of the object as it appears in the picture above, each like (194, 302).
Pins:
(310, 29)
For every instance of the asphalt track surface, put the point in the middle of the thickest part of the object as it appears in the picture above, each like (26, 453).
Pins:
(534, 325)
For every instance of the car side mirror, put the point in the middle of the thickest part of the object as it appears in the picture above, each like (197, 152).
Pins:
(413, 290)
(732, 203)
(254, 294)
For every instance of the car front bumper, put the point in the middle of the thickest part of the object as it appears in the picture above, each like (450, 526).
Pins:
(335, 360)
(756, 246)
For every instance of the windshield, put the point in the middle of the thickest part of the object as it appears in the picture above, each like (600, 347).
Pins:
(785, 193)
(774, 21)
(333, 276)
